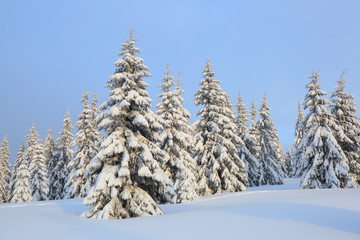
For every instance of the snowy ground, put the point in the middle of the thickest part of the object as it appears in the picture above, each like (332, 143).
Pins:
(268, 212)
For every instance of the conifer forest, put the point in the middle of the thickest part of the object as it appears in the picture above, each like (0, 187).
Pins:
(180, 120)
(125, 156)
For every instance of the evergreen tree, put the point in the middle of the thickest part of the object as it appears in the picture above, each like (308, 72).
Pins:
(86, 143)
(4, 169)
(92, 173)
(288, 161)
(270, 158)
(39, 179)
(323, 163)
(242, 116)
(20, 180)
(19, 158)
(250, 146)
(31, 141)
(50, 153)
(131, 180)
(220, 168)
(254, 131)
(35, 160)
(59, 174)
(299, 128)
(299, 134)
(344, 112)
(176, 139)
(94, 112)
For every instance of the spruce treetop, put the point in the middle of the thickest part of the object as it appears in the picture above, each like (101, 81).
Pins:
(299, 125)
(314, 102)
(253, 113)
(343, 105)
(5, 150)
(242, 116)
(66, 135)
(300, 115)
(33, 137)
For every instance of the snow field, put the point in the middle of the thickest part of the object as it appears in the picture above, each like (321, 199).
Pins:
(267, 212)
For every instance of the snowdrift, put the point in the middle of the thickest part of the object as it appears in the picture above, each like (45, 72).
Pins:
(269, 212)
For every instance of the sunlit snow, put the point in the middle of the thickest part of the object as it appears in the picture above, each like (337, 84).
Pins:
(267, 212)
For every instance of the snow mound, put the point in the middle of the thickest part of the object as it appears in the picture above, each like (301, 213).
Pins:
(267, 212)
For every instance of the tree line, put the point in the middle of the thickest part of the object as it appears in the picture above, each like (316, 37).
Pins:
(145, 158)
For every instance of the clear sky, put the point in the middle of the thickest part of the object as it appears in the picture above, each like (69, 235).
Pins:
(53, 51)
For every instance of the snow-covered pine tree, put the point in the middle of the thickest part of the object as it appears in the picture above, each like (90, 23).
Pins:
(289, 163)
(35, 160)
(131, 180)
(50, 153)
(299, 133)
(344, 112)
(270, 158)
(323, 163)
(176, 139)
(95, 111)
(216, 141)
(4, 169)
(91, 174)
(37, 168)
(59, 174)
(299, 127)
(31, 140)
(86, 144)
(250, 146)
(19, 158)
(280, 150)
(20, 190)
(242, 120)
(254, 131)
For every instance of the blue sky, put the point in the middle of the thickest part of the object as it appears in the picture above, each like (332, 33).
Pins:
(53, 51)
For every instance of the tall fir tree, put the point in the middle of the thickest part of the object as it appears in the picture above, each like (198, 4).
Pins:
(19, 157)
(4, 169)
(299, 134)
(344, 111)
(95, 111)
(20, 180)
(242, 120)
(92, 173)
(216, 141)
(299, 127)
(39, 178)
(248, 150)
(176, 139)
(254, 131)
(131, 181)
(35, 160)
(270, 159)
(323, 163)
(60, 172)
(50, 153)
(86, 144)
(31, 140)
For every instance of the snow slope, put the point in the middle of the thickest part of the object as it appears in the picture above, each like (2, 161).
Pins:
(268, 212)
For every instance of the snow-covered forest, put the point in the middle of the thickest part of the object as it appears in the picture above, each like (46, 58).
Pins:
(126, 156)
